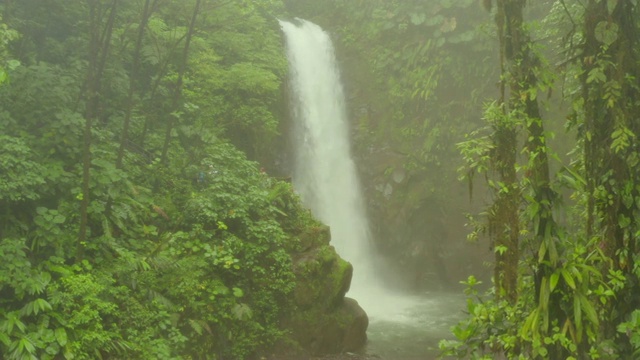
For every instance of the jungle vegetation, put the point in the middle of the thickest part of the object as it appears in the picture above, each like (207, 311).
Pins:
(563, 287)
(135, 221)
(132, 223)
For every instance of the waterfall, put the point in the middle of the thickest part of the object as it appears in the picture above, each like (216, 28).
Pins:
(324, 172)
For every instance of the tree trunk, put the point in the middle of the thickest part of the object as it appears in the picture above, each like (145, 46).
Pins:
(146, 14)
(611, 130)
(505, 222)
(98, 50)
(177, 94)
(154, 89)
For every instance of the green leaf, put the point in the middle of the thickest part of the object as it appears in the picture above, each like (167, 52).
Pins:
(596, 75)
(553, 281)
(68, 353)
(195, 325)
(418, 19)
(4, 338)
(242, 312)
(40, 305)
(623, 221)
(13, 64)
(568, 278)
(529, 326)
(237, 292)
(25, 343)
(542, 251)
(606, 32)
(13, 320)
(61, 336)
(589, 310)
(27, 309)
(577, 316)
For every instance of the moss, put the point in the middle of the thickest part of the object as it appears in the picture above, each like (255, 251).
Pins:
(322, 331)
(313, 236)
(319, 321)
(340, 280)
(322, 278)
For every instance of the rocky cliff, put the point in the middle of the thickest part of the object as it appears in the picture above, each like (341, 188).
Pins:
(324, 321)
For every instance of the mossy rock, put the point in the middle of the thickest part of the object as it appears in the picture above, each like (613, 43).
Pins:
(329, 332)
(322, 278)
(313, 237)
(323, 321)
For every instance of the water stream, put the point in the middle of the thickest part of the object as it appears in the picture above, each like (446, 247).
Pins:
(324, 173)
(325, 177)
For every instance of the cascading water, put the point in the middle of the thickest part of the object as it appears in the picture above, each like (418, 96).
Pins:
(324, 173)
(403, 326)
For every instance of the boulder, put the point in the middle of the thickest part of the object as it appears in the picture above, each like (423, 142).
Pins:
(324, 321)
(355, 333)
(340, 330)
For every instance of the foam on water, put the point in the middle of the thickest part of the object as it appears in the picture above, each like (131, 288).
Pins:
(415, 334)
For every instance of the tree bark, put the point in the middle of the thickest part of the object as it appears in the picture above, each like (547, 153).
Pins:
(505, 222)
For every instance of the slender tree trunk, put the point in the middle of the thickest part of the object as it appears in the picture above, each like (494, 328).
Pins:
(146, 14)
(98, 50)
(154, 89)
(177, 94)
(505, 222)
(517, 67)
(522, 80)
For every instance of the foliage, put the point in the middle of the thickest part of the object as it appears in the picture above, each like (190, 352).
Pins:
(185, 245)
(526, 329)
(572, 295)
(6, 64)
(22, 175)
(188, 258)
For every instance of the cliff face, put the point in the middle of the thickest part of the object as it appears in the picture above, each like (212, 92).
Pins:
(323, 321)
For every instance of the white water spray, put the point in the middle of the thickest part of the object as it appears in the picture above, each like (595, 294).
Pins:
(324, 173)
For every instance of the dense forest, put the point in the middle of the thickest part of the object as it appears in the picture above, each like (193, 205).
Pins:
(132, 224)
(146, 210)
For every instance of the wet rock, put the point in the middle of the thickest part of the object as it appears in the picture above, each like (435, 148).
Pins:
(341, 330)
(399, 174)
(355, 333)
(313, 237)
(388, 190)
(324, 321)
